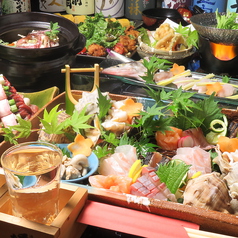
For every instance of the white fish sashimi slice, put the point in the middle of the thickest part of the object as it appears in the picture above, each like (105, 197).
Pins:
(129, 151)
(120, 162)
(110, 166)
(159, 76)
(227, 90)
(134, 69)
(201, 89)
(197, 157)
(123, 162)
(182, 81)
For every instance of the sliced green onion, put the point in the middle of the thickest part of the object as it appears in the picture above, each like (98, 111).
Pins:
(220, 126)
(14, 108)
(11, 102)
(170, 80)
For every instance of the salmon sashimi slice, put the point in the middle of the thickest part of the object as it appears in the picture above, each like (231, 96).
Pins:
(115, 183)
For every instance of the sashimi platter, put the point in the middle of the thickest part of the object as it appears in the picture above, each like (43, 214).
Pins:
(176, 157)
(172, 76)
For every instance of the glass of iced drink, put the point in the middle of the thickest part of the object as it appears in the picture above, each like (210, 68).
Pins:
(32, 171)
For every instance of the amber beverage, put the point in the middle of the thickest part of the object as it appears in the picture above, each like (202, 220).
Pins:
(32, 173)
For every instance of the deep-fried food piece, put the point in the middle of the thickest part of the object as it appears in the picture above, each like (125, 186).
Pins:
(128, 43)
(130, 31)
(177, 40)
(97, 50)
(163, 30)
(164, 43)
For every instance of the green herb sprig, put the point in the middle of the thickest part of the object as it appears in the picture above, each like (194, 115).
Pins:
(53, 31)
(78, 121)
(190, 35)
(227, 20)
(154, 64)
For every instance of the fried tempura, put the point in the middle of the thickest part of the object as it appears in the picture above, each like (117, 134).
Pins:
(163, 30)
(97, 50)
(167, 39)
(128, 43)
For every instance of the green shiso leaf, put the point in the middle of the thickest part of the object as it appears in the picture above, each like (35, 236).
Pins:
(173, 174)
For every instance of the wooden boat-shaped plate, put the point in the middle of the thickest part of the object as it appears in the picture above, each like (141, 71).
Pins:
(211, 221)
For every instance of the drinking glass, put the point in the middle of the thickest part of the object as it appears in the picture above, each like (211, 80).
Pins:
(32, 171)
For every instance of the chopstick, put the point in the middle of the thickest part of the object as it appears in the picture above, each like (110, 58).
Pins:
(204, 234)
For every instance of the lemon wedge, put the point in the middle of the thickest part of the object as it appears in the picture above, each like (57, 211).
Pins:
(135, 170)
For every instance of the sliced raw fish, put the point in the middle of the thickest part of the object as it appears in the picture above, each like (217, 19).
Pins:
(198, 158)
(133, 69)
(159, 76)
(198, 137)
(115, 183)
(149, 185)
(120, 162)
(203, 88)
(227, 90)
(182, 81)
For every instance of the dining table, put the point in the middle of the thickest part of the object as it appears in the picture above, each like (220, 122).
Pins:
(105, 219)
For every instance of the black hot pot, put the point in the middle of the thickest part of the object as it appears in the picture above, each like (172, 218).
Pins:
(37, 69)
(218, 48)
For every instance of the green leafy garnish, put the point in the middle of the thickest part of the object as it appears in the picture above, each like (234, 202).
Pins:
(24, 129)
(144, 36)
(53, 31)
(190, 36)
(104, 104)
(226, 20)
(225, 79)
(176, 108)
(100, 31)
(153, 64)
(78, 121)
(102, 151)
(173, 174)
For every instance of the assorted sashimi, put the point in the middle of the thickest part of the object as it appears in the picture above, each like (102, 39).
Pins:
(187, 80)
(183, 156)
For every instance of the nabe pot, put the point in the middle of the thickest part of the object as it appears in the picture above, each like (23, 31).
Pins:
(31, 69)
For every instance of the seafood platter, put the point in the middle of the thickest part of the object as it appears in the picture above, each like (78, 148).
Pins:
(182, 167)
(190, 81)
(173, 153)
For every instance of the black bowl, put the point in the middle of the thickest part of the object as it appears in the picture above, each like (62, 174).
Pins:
(205, 25)
(37, 69)
(154, 17)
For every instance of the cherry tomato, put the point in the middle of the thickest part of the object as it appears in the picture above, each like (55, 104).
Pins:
(83, 51)
(119, 48)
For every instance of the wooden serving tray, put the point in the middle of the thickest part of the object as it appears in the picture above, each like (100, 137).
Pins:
(208, 220)
(71, 201)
